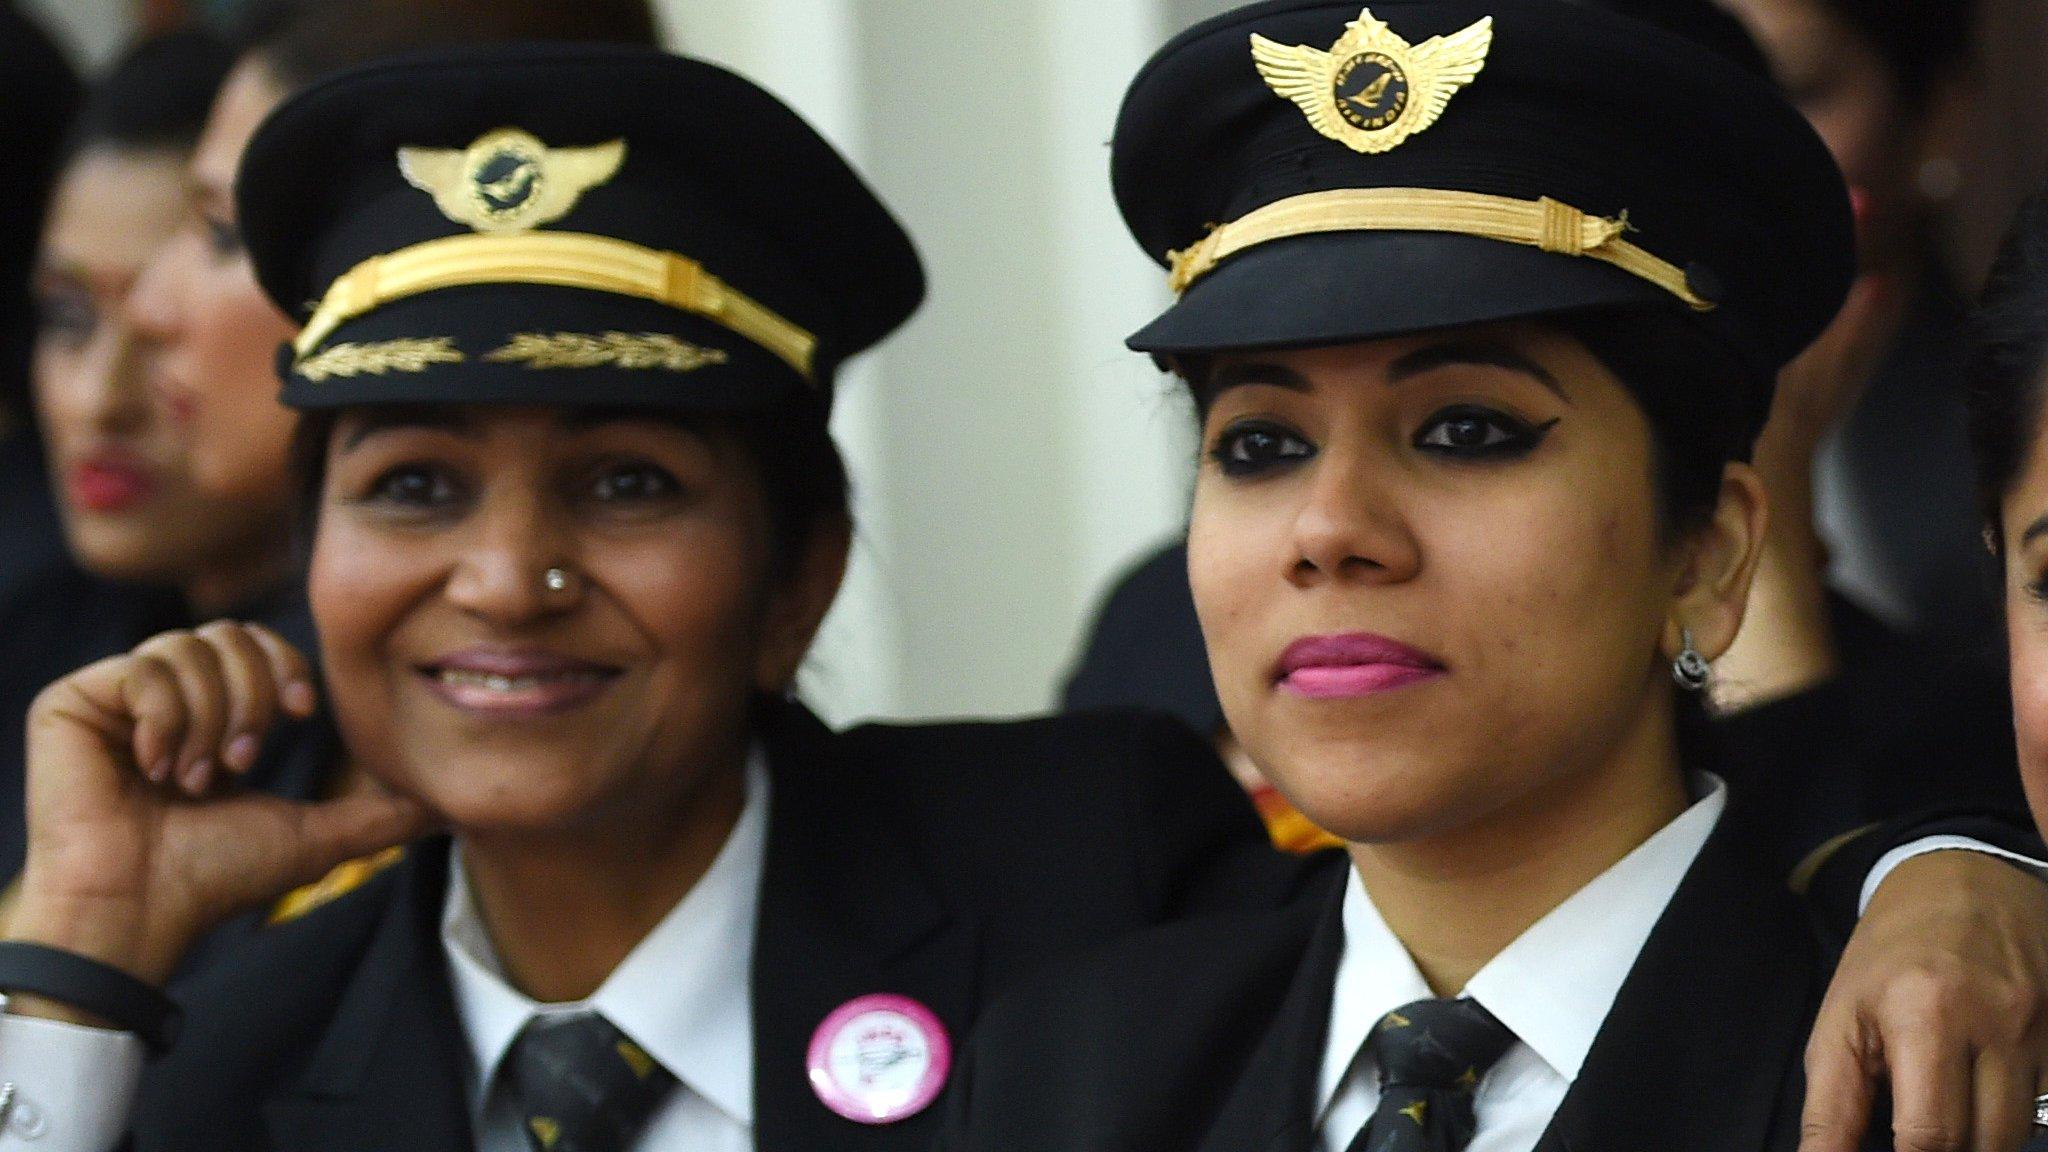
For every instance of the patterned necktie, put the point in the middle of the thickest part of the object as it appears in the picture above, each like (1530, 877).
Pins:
(582, 1085)
(1431, 1056)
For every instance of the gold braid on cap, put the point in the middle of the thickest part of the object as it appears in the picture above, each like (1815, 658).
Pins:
(563, 259)
(1547, 224)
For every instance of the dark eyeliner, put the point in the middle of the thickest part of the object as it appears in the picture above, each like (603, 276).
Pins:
(1223, 451)
(1518, 436)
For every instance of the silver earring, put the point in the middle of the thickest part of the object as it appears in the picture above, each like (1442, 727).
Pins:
(555, 580)
(1691, 670)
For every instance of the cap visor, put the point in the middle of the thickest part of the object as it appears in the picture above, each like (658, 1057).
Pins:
(1336, 288)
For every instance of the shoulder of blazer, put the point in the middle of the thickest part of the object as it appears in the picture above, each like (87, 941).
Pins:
(1142, 1034)
(1123, 985)
(1123, 789)
(279, 983)
(1079, 748)
(1090, 781)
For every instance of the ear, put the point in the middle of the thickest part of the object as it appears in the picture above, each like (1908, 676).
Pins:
(1718, 566)
(798, 603)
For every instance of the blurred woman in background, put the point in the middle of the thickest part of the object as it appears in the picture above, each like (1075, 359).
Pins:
(1891, 86)
(138, 528)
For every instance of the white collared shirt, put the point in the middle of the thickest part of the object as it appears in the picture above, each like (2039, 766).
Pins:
(683, 994)
(1552, 987)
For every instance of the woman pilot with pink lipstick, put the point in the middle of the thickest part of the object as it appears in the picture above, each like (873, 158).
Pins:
(575, 514)
(1480, 305)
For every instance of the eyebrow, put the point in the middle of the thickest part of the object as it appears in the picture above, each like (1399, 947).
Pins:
(468, 425)
(1423, 360)
(1480, 352)
(584, 418)
(2038, 528)
(389, 419)
(1256, 372)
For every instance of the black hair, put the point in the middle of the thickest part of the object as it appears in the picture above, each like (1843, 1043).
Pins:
(1922, 42)
(39, 92)
(803, 478)
(303, 41)
(1700, 406)
(156, 96)
(2008, 353)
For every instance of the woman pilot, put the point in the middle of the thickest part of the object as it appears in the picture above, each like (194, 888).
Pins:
(574, 517)
(577, 515)
(1480, 305)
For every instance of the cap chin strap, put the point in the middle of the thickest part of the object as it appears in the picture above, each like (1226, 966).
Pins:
(563, 259)
(1548, 224)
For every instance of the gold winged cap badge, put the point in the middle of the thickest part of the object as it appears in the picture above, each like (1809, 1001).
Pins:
(1373, 90)
(508, 181)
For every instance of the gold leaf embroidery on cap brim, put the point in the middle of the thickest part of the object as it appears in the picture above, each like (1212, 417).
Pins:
(379, 358)
(610, 350)
(1400, 88)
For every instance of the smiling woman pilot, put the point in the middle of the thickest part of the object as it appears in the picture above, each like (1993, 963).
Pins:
(575, 518)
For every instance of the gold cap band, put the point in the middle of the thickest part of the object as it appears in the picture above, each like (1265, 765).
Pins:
(564, 259)
(1547, 224)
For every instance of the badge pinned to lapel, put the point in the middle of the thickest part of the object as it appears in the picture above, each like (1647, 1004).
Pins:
(880, 1058)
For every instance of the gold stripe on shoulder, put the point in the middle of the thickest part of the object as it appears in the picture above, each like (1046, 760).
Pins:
(345, 878)
(1802, 876)
(379, 358)
(610, 350)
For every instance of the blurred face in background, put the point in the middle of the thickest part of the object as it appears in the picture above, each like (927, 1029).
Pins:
(119, 461)
(1845, 88)
(218, 335)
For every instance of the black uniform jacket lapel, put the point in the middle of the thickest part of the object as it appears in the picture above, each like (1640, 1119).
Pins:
(846, 910)
(1273, 1105)
(387, 1073)
(1701, 1051)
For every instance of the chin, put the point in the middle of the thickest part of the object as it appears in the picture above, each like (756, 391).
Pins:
(108, 553)
(1376, 796)
(505, 794)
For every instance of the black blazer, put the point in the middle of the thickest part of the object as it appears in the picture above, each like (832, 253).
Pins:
(937, 862)
(1208, 1036)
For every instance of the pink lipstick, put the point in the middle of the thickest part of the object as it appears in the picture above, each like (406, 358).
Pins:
(1352, 664)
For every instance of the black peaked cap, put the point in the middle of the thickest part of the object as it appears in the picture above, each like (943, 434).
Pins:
(714, 169)
(1718, 177)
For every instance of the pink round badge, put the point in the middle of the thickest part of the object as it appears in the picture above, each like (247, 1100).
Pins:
(878, 1059)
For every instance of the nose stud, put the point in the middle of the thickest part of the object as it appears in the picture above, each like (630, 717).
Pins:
(555, 579)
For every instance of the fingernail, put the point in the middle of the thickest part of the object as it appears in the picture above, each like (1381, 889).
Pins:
(161, 770)
(242, 750)
(298, 696)
(196, 774)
